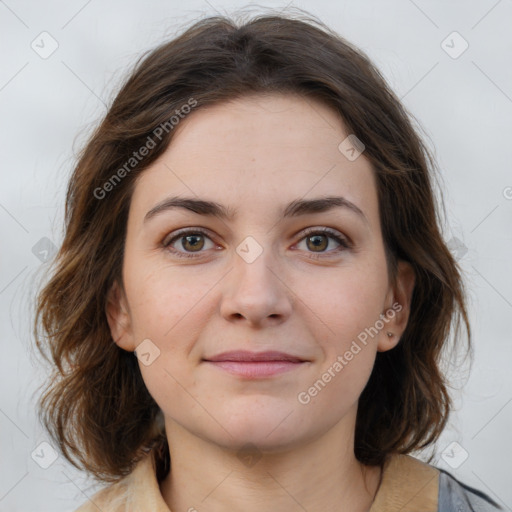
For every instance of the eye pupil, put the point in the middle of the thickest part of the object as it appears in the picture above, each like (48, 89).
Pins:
(317, 244)
(186, 240)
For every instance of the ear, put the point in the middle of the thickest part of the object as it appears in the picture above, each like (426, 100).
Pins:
(118, 318)
(397, 307)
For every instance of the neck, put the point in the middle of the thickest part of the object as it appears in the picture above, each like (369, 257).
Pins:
(321, 475)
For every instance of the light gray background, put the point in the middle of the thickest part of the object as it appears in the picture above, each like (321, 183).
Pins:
(463, 104)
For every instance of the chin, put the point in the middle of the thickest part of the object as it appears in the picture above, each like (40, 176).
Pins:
(268, 432)
(247, 443)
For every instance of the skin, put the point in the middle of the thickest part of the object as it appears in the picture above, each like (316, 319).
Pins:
(256, 154)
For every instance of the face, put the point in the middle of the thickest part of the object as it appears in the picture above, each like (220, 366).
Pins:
(268, 274)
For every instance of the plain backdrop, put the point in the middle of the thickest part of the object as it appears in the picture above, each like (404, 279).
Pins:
(449, 62)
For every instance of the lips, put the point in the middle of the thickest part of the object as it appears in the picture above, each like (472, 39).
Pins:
(255, 365)
(252, 357)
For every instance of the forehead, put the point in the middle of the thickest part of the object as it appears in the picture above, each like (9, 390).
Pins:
(260, 150)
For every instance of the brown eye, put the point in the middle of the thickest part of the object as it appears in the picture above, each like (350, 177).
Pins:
(188, 243)
(318, 242)
(192, 242)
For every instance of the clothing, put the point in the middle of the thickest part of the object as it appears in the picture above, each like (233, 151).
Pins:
(454, 495)
(407, 485)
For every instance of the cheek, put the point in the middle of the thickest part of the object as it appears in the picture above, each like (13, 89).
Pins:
(347, 312)
(345, 302)
(171, 312)
(164, 303)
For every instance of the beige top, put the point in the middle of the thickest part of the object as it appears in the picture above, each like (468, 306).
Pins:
(407, 484)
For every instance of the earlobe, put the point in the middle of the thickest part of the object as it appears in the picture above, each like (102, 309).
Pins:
(399, 307)
(118, 318)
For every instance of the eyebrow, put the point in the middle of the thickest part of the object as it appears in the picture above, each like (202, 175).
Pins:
(294, 209)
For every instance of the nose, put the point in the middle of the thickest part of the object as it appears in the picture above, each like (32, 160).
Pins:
(256, 293)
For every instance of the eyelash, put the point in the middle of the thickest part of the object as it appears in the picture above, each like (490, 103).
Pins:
(344, 244)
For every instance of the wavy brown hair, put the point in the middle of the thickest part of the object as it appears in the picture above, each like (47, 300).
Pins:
(95, 405)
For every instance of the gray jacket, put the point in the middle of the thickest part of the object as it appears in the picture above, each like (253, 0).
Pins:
(455, 496)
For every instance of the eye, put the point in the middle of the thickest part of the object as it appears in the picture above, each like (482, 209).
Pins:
(318, 240)
(192, 241)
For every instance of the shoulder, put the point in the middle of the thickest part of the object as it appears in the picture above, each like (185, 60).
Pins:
(109, 499)
(116, 497)
(455, 495)
(407, 484)
(137, 491)
(410, 484)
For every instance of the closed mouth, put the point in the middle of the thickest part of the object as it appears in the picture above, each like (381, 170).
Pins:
(241, 356)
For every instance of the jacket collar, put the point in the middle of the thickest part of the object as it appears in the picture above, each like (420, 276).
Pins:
(406, 484)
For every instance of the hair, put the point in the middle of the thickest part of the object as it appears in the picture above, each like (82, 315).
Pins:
(95, 404)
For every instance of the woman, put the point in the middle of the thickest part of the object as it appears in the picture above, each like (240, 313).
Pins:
(252, 297)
